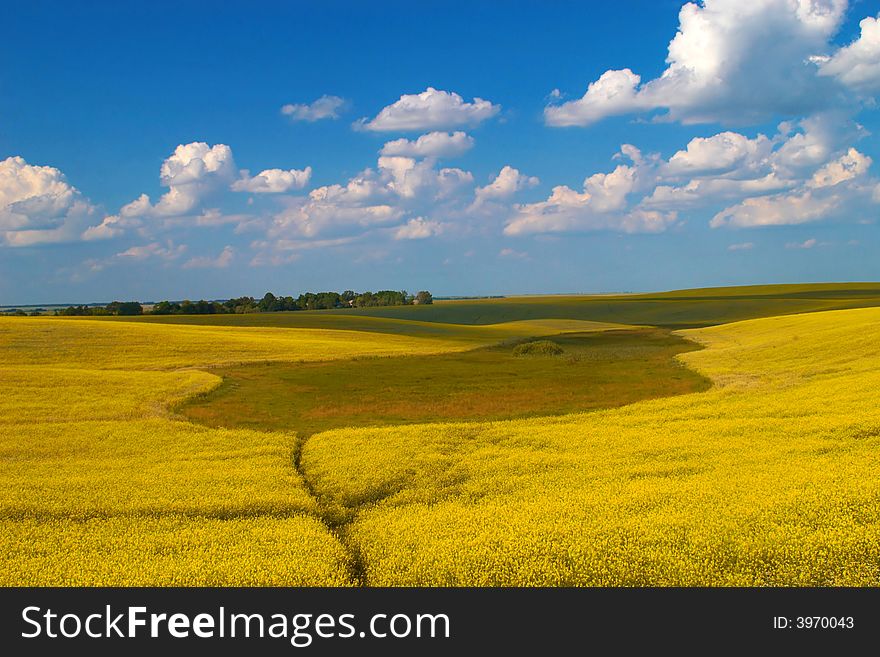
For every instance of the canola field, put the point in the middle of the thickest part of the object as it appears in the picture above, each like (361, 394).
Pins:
(101, 485)
(771, 477)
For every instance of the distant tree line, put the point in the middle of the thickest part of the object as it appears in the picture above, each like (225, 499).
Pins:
(307, 301)
(18, 312)
(268, 304)
(115, 308)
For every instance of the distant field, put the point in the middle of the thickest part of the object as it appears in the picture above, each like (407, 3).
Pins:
(676, 309)
(601, 369)
(97, 344)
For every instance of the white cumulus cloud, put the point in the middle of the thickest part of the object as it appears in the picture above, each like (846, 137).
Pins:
(192, 172)
(836, 188)
(325, 107)
(418, 229)
(858, 64)
(393, 199)
(720, 154)
(39, 206)
(507, 183)
(601, 206)
(732, 62)
(336, 209)
(433, 109)
(604, 204)
(806, 172)
(779, 210)
(412, 179)
(851, 164)
(272, 181)
(613, 93)
(433, 144)
(195, 173)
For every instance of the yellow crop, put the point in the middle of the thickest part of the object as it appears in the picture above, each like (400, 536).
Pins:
(98, 485)
(171, 550)
(99, 344)
(771, 477)
(54, 394)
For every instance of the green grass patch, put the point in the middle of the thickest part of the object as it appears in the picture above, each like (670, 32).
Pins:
(597, 370)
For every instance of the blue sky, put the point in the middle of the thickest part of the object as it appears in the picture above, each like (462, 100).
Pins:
(184, 149)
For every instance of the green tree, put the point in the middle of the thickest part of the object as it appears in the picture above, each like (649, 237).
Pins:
(125, 308)
(390, 298)
(366, 300)
(326, 300)
(268, 303)
(166, 308)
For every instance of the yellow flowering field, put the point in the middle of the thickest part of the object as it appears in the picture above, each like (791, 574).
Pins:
(155, 501)
(99, 484)
(770, 478)
(101, 344)
(171, 550)
(47, 394)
